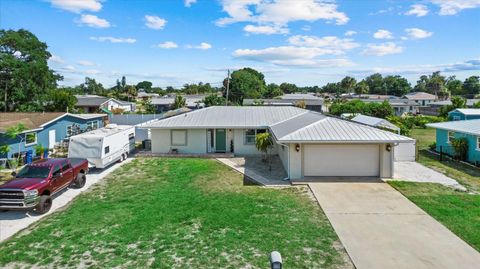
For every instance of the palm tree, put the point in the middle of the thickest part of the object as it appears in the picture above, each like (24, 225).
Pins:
(263, 142)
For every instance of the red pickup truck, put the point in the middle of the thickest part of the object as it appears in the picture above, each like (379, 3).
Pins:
(35, 184)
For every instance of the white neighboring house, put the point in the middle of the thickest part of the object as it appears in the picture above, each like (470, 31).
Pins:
(403, 151)
(93, 103)
(104, 146)
(309, 143)
(421, 98)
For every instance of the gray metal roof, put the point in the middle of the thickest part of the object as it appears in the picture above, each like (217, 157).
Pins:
(300, 96)
(90, 100)
(229, 117)
(462, 126)
(282, 102)
(335, 130)
(293, 124)
(467, 111)
(420, 96)
(375, 122)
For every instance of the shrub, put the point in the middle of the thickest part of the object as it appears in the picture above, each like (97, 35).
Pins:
(460, 147)
(433, 146)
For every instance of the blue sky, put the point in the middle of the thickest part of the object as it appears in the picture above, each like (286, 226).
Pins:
(307, 42)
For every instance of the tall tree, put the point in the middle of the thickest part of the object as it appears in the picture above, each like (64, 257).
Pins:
(272, 91)
(396, 85)
(348, 84)
(471, 85)
(124, 83)
(24, 73)
(375, 83)
(146, 85)
(455, 86)
(60, 100)
(90, 86)
(288, 87)
(361, 88)
(179, 102)
(245, 83)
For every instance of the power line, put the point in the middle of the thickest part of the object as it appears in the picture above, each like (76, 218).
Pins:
(228, 86)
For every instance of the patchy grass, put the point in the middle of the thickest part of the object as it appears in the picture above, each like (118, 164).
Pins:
(458, 211)
(180, 213)
(466, 175)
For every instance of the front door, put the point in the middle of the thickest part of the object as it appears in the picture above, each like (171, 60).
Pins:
(220, 140)
(51, 139)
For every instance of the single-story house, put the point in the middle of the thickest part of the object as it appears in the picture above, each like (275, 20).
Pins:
(433, 109)
(464, 114)
(163, 104)
(403, 151)
(447, 131)
(142, 95)
(95, 103)
(314, 104)
(310, 144)
(421, 98)
(46, 129)
(400, 106)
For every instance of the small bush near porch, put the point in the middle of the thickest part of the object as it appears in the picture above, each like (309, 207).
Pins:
(180, 213)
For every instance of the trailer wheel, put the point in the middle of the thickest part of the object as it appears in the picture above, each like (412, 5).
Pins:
(44, 204)
(80, 181)
(121, 158)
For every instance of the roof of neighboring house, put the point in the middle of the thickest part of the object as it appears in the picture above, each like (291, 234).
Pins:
(141, 94)
(375, 122)
(90, 100)
(189, 101)
(467, 111)
(229, 117)
(314, 127)
(420, 96)
(393, 102)
(469, 103)
(462, 126)
(36, 120)
(282, 102)
(299, 96)
(288, 124)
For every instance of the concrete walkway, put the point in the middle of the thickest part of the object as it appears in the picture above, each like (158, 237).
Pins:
(415, 172)
(380, 228)
(12, 222)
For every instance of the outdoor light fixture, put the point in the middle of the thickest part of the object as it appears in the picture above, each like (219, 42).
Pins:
(388, 147)
(297, 147)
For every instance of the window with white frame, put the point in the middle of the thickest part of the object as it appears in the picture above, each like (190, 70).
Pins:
(456, 117)
(178, 138)
(250, 135)
(451, 136)
(30, 139)
(92, 125)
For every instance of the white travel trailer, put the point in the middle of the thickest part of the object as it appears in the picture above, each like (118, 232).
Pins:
(103, 146)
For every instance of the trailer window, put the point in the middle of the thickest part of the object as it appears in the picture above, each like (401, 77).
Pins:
(107, 149)
(131, 136)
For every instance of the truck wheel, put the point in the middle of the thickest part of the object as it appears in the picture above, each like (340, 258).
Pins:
(44, 205)
(80, 181)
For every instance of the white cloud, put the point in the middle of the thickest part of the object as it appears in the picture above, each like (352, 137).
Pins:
(417, 10)
(452, 7)
(382, 49)
(306, 28)
(416, 33)
(86, 63)
(188, 3)
(332, 43)
(155, 22)
(77, 6)
(56, 59)
(350, 33)
(168, 45)
(307, 57)
(383, 34)
(93, 21)
(113, 39)
(92, 72)
(265, 29)
(278, 13)
(202, 46)
(69, 68)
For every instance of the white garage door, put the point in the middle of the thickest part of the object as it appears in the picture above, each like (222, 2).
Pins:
(341, 160)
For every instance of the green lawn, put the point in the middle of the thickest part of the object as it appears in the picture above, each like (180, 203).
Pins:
(180, 213)
(458, 211)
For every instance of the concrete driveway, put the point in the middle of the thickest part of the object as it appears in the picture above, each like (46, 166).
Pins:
(415, 172)
(380, 228)
(12, 222)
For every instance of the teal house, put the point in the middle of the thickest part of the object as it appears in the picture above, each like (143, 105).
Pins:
(469, 129)
(464, 114)
(46, 129)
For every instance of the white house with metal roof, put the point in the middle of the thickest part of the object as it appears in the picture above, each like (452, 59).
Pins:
(309, 143)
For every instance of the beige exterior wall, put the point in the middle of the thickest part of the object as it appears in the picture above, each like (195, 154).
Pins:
(196, 141)
(386, 161)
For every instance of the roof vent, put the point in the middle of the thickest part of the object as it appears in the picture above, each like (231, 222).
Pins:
(111, 126)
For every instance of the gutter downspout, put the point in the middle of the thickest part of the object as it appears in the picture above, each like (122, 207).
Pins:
(288, 161)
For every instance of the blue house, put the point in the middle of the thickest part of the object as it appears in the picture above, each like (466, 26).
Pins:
(464, 114)
(469, 129)
(46, 129)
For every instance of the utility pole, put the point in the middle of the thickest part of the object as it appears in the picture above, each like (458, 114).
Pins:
(228, 86)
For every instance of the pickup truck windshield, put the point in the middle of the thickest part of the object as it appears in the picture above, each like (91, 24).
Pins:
(33, 172)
